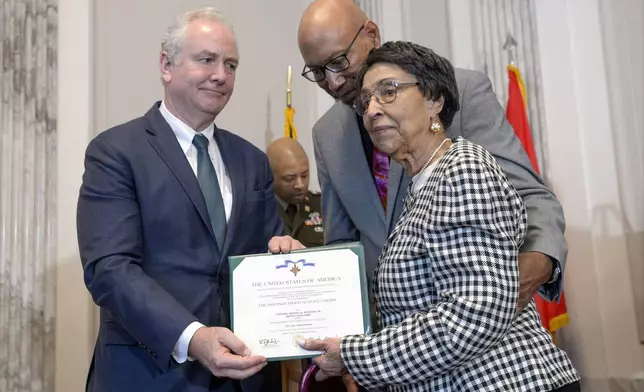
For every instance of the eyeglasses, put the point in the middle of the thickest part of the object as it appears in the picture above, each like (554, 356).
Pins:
(384, 93)
(335, 65)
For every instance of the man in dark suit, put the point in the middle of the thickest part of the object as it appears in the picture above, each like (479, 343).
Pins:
(166, 198)
(298, 207)
(362, 191)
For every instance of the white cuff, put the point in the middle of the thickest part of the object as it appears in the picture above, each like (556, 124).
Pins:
(180, 350)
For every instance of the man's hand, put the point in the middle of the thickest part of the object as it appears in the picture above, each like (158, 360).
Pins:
(330, 363)
(284, 244)
(534, 271)
(224, 354)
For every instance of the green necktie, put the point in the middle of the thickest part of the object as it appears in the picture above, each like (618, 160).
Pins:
(207, 177)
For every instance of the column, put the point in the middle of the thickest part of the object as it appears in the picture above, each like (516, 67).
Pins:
(28, 153)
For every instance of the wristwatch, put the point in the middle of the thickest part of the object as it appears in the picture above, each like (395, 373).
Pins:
(556, 272)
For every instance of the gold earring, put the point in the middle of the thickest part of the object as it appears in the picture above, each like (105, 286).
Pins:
(436, 127)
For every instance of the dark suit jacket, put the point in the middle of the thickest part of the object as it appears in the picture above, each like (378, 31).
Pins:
(149, 254)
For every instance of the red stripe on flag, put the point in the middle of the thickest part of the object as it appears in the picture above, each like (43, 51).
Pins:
(553, 315)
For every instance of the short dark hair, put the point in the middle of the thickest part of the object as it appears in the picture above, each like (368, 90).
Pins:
(435, 74)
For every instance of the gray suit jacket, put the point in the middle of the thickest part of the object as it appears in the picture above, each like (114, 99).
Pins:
(352, 210)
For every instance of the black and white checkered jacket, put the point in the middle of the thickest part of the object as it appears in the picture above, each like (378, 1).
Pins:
(446, 290)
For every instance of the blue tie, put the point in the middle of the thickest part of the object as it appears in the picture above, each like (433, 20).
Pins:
(207, 177)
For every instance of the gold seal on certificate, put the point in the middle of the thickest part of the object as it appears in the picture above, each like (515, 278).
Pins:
(311, 293)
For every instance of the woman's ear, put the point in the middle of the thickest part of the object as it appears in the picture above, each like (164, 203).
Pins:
(435, 106)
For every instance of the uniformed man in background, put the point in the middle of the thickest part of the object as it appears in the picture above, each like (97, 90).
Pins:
(299, 208)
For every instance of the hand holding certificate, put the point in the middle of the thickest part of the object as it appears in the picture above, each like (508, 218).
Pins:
(277, 299)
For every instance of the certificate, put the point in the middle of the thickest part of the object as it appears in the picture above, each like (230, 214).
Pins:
(311, 293)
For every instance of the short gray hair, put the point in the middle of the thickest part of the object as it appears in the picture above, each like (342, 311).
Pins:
(171, 42)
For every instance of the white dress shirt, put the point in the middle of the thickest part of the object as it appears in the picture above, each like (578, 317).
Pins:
(185, 135)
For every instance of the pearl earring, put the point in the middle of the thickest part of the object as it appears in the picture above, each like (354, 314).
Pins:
(436, 127)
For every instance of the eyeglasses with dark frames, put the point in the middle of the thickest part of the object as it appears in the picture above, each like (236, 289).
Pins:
(335, 65)
(384, 93)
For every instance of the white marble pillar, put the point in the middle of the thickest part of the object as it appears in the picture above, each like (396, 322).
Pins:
(491, 21)
(28, 104)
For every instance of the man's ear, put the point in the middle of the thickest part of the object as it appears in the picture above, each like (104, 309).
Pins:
(165, 66)
(371, 28)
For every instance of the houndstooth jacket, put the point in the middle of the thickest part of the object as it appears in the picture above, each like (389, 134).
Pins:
(446, 290)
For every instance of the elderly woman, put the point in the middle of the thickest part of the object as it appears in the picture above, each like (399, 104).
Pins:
(447, 281)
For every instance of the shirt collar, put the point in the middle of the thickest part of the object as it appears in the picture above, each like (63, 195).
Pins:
(285, 205)
(184, 133)
(282, 203)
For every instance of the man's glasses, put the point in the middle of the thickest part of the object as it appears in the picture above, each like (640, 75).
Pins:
(335, 65)
(384, 93)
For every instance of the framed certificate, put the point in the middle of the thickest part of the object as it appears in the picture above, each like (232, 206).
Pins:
(310, 293)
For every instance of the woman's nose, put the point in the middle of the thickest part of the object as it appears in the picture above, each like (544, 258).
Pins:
(373, 107)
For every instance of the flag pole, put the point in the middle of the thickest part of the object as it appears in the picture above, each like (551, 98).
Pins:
(509, 46)
(289, 111)
(288, 87)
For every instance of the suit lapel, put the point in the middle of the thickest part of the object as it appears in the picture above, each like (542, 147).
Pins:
(393, 183)
(355, 171)
(396, 188)
(235, 167)
(164, 141)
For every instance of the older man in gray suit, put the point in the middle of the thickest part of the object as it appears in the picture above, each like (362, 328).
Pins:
(362, 192)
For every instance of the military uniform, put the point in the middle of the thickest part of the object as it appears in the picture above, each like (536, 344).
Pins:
(304, 223)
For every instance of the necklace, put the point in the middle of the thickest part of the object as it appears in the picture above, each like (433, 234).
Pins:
(410, 198)
(432, 156)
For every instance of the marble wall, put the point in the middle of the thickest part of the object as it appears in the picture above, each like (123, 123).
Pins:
(28, 105)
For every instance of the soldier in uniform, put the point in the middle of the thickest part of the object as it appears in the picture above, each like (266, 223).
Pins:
(300, 210)
(298, 206)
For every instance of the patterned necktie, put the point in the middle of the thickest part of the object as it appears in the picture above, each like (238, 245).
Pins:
(207, 177)
(380, 171)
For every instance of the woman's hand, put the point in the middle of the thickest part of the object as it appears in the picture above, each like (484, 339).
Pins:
(330, 363)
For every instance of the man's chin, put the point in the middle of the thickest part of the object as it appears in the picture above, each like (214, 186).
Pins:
(347, 98)
(298, 200)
